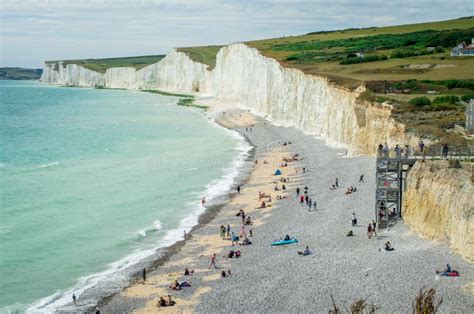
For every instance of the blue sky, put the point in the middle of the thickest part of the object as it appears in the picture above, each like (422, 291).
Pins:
(36, 30)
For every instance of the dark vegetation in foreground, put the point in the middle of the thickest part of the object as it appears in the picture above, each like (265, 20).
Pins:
(14, 73)
(425, 302)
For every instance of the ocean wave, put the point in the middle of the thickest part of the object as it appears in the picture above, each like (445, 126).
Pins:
(117, 276)
(156, 226)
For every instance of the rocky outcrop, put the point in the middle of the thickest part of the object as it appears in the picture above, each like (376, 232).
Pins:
(439, 205)
(243, 76)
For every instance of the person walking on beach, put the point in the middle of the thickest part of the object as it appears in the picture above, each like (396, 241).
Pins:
(203, 200)
(297, 191)
(361, 178)
(301, 199)
(228, 231)
(74, 298)
(315, 204)
(213, 261)
(310, 202)
(369, 231)
(337, 183)
(223, 231)
(354, 220)
(238, 189)
(144, 274)
(374, 225)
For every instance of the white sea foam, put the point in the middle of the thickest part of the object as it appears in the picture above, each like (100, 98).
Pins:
(49, 165)
(117, 274)
(155, 227)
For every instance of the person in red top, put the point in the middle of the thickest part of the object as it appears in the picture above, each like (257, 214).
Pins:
(213, 261)
(302, 199)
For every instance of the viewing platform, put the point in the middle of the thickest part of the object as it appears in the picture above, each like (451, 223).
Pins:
(392, 165)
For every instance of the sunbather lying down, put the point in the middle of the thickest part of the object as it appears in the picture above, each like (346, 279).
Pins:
(176, 285)
(162, 302)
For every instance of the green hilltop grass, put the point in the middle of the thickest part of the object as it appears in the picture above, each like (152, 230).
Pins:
(320, 53)
(204, 54)
(101, 65)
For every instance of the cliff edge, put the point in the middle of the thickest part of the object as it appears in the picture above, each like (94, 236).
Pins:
(439, 205)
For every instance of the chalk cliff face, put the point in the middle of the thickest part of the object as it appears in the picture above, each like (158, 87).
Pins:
(243, 76)
(71, 75)
(439, 205)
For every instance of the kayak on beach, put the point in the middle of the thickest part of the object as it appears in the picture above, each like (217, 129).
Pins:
(284, 242)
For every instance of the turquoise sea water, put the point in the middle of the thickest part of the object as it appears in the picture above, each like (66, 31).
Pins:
(92, 181)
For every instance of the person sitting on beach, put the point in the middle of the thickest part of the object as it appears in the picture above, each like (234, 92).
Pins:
(278, 197)
(246, 241)
(162, 302)
(276, 188)
(354, 190)
(263, 205)
(223, 274)
(170, 302)
(237, 254)
(388, 246)
(348, 191)
(283, 187)
(446, 271)
(248, 221)
(188, 272)
(287, 237)
(231, 254)
(305, 252)
(333, 187)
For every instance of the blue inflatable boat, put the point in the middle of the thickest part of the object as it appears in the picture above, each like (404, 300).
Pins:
(283, 242)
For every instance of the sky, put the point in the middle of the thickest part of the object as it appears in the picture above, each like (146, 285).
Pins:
(32, 31)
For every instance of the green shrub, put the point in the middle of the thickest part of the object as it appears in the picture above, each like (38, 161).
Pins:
(467, 97)
(405, 53)
(420, 101)
(371, 58)
(459, 84)
(449, 99)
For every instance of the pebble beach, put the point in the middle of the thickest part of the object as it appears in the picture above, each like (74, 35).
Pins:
(270, 278)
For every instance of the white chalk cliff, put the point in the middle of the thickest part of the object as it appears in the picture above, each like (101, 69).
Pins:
(243, 76)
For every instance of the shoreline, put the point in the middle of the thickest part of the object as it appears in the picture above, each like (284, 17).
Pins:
(239, 162)
(205, 219)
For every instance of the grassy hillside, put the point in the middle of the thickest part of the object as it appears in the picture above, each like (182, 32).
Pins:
(20, 74)
(101, 65)
(205, 54)
(389, 53)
